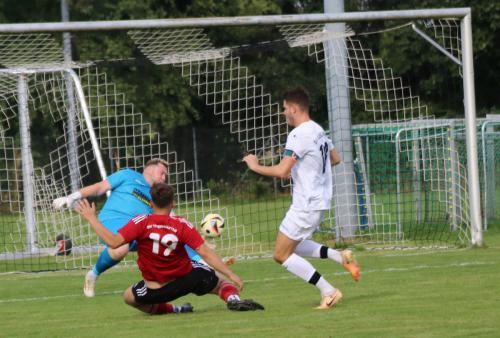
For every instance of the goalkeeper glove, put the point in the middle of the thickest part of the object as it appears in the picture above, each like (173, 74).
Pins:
(69, 200)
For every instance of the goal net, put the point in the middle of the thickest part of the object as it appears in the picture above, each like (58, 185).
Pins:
(402, 183)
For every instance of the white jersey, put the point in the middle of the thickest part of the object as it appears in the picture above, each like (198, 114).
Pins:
(312, 173)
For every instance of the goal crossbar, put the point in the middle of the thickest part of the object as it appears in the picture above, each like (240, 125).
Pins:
(258, 20)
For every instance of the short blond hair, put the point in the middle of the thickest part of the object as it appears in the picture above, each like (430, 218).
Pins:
(156, 161)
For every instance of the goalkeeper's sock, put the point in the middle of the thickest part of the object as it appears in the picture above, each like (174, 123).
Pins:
(228, 292)
(104, 262)
(312, 249)
(304, 270)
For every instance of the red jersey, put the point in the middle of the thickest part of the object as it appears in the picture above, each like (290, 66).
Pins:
(161, 239)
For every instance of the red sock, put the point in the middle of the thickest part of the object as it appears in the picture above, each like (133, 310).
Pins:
(161, 308)
(227, 289)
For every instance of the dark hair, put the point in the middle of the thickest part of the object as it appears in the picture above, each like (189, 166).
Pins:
(155, 161)
(299, 96)
(162, 194)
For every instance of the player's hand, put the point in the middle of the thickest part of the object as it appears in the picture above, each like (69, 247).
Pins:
(67, 201)
(251, 160)
(60, 202)
(87, 210)
(230, 261)
(236, 280)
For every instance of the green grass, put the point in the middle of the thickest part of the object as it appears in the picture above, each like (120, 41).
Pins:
(452, 293)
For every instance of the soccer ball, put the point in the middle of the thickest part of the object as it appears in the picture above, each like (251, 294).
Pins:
(212, 225)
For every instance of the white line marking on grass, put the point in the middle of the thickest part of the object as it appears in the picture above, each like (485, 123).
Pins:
(54, 297)
(289, 276)
(364, 272)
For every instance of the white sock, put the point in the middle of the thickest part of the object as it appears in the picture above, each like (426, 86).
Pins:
(92, 274)
(334, 255)
(304, 270)
(308, 248)
(299, 267)
(233, 297)
(325, 287)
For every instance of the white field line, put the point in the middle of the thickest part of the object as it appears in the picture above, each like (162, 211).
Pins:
(288, 276)
(364, 272)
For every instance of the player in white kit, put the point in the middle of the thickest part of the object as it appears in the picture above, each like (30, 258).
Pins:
(308, 158)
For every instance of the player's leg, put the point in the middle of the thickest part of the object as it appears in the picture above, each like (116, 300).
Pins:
(143, 299)
(228, 292)
(200, 280)
(193, 255)
(296, 226)
(107, 258)
(309, 248)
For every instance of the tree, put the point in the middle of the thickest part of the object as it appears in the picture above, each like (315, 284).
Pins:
(162, 95)
(436, 89)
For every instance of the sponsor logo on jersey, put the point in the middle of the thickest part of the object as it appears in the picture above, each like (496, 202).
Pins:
(141, 197)
(158, 226)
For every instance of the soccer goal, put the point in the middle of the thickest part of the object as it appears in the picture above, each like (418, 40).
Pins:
(407, 179)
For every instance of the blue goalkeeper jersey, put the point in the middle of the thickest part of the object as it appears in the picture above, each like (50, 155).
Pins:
(129, 197)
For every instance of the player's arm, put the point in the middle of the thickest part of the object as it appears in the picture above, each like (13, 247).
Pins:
(334, 157)
(215, 262)
(280, 170)
(96, 189)
(87, 210)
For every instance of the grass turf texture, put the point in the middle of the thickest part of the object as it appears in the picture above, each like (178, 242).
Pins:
(451, 293)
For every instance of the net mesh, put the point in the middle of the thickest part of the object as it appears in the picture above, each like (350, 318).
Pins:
(424, 170)
(125, 140)
(447, 34)
(29, 50)
(404, 176)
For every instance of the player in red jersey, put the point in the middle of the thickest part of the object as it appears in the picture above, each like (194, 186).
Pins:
(167, 271)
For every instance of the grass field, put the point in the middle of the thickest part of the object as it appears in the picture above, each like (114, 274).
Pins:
(452, 293)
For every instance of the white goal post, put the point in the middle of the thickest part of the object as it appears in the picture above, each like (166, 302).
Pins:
(199, 62)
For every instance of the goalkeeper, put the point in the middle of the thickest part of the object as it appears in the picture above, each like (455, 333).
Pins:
(167, 271)
(130, 197)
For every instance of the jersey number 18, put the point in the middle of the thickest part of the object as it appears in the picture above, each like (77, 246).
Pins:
(324, 153)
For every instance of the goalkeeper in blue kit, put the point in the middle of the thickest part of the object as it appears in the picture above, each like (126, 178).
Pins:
(130, 196)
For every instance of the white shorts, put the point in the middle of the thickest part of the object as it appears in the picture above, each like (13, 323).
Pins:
(300, 224)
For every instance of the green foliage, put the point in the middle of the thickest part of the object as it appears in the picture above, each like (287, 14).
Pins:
(261, 189)
(255, 188)
(399, 50)
(219, 188)
(162, 96)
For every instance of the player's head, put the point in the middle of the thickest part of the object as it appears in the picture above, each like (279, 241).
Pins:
(156, 170)
(295, 105)
(162, 195)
